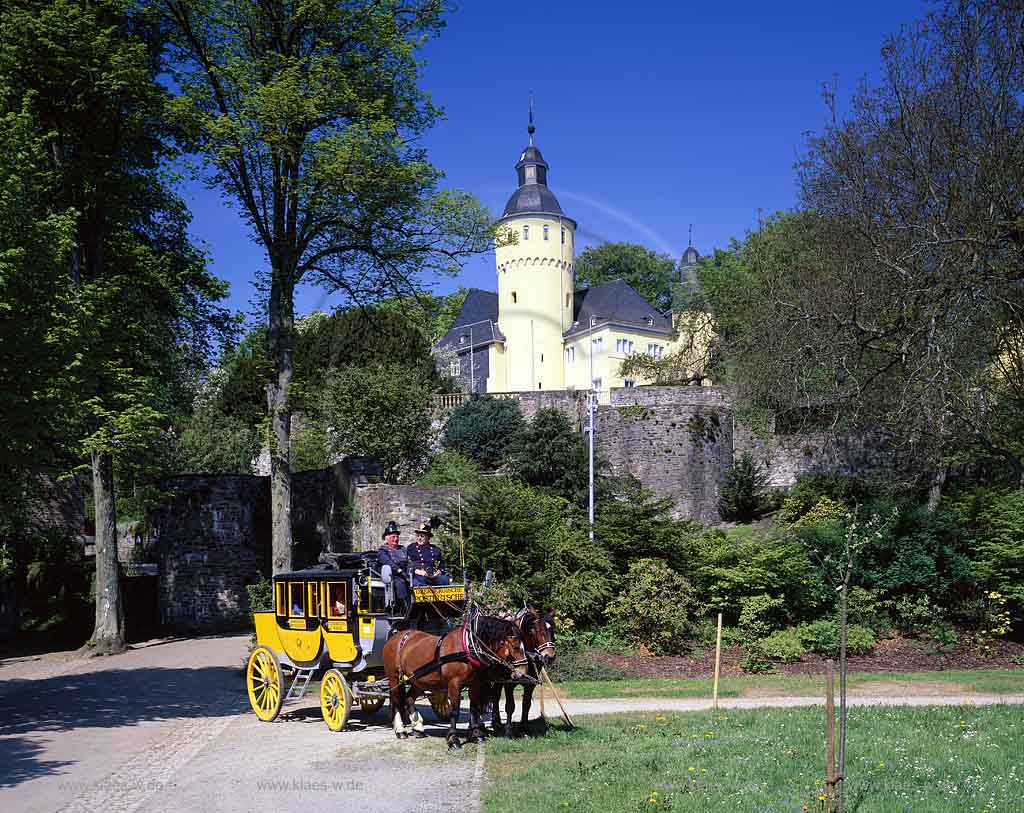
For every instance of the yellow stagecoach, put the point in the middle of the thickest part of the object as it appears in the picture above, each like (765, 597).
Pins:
(333, 622)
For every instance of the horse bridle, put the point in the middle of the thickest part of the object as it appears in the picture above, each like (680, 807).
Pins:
(532, 654)
(492, 656)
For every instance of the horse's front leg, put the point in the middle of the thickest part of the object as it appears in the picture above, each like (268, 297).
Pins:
(524, 723)
(455, 699)
(494, 691)
(476, 697)
(399, 715)
(413, 718)
(510, 708)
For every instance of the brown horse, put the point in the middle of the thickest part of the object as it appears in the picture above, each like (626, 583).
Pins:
(538, 631)
(418, 663)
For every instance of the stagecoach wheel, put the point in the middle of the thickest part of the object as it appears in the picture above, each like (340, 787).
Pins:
(442, 706)
(264, 681)
(335, 699)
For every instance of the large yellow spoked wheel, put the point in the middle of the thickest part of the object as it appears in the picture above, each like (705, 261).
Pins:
(335, 699)
(264, 682)
(441, 705)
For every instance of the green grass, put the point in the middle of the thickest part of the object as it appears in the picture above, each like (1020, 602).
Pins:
(941, 759)
(995, 681)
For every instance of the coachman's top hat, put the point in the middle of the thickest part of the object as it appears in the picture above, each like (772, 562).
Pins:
(390, 528)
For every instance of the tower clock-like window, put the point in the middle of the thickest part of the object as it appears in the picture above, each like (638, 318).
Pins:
(526, 232)
(545, 232)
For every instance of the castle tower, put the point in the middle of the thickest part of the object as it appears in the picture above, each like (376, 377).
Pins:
(535, 280)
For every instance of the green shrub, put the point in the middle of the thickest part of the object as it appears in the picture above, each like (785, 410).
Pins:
(944, 634)
(484, 429)
(912, 616)
(727, 571)
(537, 546)
(744, 494)
(451, 468)
(809, 489)
(580, 665)
(863, 608)
(654, 610)
(379, 412)
(759, 616)
(755, 661)
(783, 646)
(822, 638)
(549, 454)
(1001, 552)
(261, 596)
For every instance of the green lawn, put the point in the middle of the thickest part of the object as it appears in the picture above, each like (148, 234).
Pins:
(924, 760)
(996, 681)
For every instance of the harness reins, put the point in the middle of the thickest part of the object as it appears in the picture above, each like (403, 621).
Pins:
(474, 652)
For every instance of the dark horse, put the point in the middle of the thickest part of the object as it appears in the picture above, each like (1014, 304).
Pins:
(418, 663)
(538, 631)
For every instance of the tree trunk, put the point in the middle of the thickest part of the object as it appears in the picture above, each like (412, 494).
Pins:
(281, 338)
(935, 488)
(108, 636)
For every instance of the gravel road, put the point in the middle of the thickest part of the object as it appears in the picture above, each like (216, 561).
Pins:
(167, 727)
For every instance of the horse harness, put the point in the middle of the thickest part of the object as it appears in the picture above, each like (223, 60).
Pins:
(474, 652)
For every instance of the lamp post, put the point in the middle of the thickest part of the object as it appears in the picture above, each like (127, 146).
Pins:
(590, 412)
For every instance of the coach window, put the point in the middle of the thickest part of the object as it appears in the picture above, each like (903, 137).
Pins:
(282, 598)
(313, 599)
(297, 605)
(337, 606)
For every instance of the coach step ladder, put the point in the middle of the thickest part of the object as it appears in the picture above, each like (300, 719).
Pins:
(300, 682)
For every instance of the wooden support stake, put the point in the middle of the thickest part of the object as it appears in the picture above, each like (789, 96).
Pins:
(543, 716)
(830, 739)
(718, 663)
(565, 714)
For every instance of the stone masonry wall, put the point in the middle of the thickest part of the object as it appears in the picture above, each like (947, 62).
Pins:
(212, 538)
(678, 444)
(377, 503)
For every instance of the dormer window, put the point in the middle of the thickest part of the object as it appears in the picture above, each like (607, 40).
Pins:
(531, 174)
(526, 232)
(650, 320)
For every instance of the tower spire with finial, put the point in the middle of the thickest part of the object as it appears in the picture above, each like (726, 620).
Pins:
(690, 244)
(530, 128)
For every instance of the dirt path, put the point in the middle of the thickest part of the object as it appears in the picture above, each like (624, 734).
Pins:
(168, 727)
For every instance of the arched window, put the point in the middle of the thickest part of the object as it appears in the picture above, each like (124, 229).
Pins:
(563, 235)
(545, 232)
(526, 232)
(513, 297)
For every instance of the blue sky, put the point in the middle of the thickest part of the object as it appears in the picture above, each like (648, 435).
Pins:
(652, 116)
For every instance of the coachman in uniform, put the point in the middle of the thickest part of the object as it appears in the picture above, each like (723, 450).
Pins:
(426, 560)
(394, 555)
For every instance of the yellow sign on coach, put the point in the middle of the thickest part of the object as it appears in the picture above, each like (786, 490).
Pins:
(440, 593)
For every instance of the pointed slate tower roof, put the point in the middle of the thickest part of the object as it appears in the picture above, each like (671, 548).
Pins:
(533, 195)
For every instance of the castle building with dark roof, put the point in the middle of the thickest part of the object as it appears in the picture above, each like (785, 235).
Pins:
(538, 332)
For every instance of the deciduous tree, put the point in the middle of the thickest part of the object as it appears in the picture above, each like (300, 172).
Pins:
(308, 117)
